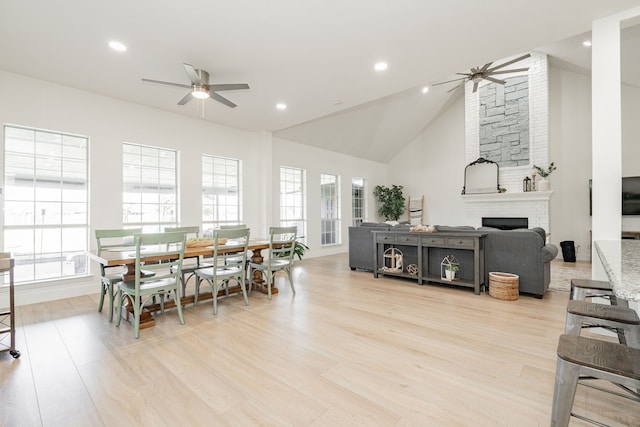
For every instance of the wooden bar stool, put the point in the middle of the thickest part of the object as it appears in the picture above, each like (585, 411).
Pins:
(582, 358)
(623, 321)
(582, 289)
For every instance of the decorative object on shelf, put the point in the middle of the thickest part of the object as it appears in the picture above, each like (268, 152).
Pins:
(393, 260)
(415, 210)
(526, 184)
(391, 201)
(544, 184)
(533, 179)
(423, 228)
(449, 268)
(481, 176)
(412, 269)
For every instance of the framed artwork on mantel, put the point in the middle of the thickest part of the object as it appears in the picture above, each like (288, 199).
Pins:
(481, 176)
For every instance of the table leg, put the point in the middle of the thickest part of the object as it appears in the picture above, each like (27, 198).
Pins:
(257, 282)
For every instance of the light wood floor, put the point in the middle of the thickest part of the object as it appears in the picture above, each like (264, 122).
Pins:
(347, 350)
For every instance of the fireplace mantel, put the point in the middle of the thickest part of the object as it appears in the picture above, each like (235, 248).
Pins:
(530, 196)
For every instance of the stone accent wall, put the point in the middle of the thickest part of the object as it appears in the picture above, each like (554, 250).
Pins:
(511, 177)
(504, 122)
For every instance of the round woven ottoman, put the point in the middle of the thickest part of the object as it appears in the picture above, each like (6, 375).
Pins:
(504, 286)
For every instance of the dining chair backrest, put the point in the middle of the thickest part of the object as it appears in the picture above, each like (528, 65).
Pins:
(235, 246)
(233, 227)
(282, 241)
(112, 238)
(151, 247)
(189, 231)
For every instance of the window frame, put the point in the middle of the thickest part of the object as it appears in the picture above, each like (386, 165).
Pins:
(361, 198)
(58, 160)
(293, 199)
(330, 221)
(209, 222)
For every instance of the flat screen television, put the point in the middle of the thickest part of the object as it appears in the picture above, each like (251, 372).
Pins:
(630, 196)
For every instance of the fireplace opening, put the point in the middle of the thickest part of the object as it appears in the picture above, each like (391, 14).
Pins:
(505, 223)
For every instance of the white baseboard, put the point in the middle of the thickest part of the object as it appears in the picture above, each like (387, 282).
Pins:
(32, 293)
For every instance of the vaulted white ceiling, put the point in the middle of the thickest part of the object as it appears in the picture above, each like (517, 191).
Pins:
(316, 56)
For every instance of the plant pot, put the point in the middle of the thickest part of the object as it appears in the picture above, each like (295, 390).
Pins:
(544, 185)
(450, 275)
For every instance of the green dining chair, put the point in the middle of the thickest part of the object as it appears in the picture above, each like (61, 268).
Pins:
(191, 264)
(282, 241)
(238, 259)
(168, 247)
(222, 273)
(109, 276)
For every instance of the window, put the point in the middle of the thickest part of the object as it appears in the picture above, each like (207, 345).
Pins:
(150, 191)
(329, 209)
(292, 199)
(357, 201)
(221, 197)
(46, 197)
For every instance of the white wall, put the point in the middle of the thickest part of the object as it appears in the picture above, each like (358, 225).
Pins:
(433, 165)
(315, 162)
(108, 122)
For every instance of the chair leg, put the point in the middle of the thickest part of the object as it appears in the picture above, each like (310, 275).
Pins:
(197, 291)
(269, 276)
(176, 298)
(214, 287)
(564, 392)
(573, 325)
(119, 308)
(111, 297)
(103, 290)
(243, 286)
(136, 317)
(291, 280)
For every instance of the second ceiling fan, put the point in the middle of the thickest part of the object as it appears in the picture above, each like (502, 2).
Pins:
(486, 72)
(200, 87)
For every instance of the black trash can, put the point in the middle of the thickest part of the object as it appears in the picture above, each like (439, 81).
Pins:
(568, 250)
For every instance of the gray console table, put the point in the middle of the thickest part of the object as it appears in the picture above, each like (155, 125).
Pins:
(425, 251)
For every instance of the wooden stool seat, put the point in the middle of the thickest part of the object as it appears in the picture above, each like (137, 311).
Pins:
(624, 321)
(580, 356)
(582, 289)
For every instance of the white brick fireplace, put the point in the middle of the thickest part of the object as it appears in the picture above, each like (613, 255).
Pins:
(533, 205)
(514, 202)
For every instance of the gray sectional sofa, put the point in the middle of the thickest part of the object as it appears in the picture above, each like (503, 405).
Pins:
(523, 252)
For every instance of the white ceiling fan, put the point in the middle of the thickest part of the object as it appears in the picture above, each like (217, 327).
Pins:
(200, 87)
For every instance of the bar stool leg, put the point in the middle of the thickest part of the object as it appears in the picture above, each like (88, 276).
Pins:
(564, 392)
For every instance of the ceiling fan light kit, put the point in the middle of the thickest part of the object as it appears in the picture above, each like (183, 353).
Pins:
(200, 87)
(477, 74)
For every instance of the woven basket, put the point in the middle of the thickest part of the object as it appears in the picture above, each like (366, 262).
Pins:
(504, 286)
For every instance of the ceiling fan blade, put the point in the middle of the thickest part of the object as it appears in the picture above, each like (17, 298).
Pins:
(465, 74)
(193, 75)
(455, 87)
(491, 79)
(186, 99)
(485, 66)
(509, 62)
(222, 99)
(229, 86)
(160, 82)
(449, 81)
(475, 87)
(515, 70)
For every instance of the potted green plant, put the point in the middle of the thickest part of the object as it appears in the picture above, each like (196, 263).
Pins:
(450, 271)
(544, 184)
(392, 201)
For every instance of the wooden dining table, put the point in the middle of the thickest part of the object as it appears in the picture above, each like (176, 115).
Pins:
(125, 256)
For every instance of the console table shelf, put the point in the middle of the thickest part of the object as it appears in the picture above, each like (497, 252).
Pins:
(426, 250)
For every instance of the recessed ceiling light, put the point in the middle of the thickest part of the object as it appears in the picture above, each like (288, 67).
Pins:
(380, 66)
(281, 106)
(337, 102)
(586, 43)
(425, 89)
(117, 46)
